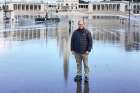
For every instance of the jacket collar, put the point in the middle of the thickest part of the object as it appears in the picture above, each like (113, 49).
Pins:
(81, 30)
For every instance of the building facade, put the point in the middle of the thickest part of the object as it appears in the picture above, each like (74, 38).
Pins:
(34, 9)
(25, 9)
(67, 5)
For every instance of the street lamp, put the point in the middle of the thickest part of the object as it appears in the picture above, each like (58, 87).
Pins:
(5, 8)
(129, 10)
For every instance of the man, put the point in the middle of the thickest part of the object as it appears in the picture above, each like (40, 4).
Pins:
(81, 45)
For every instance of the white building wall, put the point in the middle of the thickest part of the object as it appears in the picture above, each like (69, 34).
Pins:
(1, 16)
(90, 7)
(42, 7)
(11, 6)
(122, 7)
(67, 5)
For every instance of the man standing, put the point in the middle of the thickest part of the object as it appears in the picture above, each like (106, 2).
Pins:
(81, 45)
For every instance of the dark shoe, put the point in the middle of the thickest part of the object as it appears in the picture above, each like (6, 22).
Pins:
(77, 78)
(86, 79)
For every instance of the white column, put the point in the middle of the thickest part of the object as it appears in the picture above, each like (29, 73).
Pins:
(90, 9)
(100, 7)
(96, 7)
(20, 7)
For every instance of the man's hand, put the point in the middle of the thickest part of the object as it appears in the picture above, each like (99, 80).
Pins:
(72, 52)
(87, 52)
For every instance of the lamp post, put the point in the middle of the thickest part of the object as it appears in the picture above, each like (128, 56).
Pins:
(5, 8)
(129, 10)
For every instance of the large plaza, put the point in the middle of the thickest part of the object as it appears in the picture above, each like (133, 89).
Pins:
(36, 57)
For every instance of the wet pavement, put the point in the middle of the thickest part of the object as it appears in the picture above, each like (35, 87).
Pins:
(38, 59)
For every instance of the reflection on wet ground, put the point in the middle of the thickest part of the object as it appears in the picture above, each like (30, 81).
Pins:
(38, 59)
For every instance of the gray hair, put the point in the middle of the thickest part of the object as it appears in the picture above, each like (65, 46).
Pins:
(81, 21)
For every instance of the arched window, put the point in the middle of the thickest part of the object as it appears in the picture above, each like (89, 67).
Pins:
(27, 7)
(102, 7)
(39, 7)
(23, 7)
(67, 5)
(31, 7)
(19, 6)
(94, 7)
(118, 7)
(35, 7)
(15, 6)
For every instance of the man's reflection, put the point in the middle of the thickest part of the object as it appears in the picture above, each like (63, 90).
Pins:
(86, 87)
(79, 87)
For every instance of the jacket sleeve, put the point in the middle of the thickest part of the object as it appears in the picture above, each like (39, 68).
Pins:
(72, 42)
(89, 41)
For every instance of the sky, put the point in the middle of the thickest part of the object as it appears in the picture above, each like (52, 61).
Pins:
(42, 0)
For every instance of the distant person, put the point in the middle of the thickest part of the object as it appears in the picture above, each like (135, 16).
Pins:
(81, 45)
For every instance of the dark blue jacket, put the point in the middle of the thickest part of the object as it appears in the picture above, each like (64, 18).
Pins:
(81, 41)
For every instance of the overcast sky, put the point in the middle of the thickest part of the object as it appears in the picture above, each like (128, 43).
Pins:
(42, 0)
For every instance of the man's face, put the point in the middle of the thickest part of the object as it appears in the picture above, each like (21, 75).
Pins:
(81, 24)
